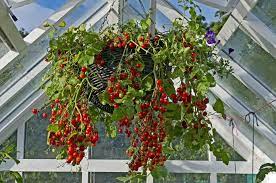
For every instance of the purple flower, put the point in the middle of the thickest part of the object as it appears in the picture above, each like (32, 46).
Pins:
(210, 33)
(210, 37)
(211, 40)
(230, 50)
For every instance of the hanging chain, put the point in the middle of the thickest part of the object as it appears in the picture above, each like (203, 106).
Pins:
(119, 14)
(106, 16)
(233, 125)
(254, 121)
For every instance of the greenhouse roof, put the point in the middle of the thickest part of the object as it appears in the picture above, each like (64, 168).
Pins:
(247, 40)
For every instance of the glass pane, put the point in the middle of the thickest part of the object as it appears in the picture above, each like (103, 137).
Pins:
(18, 97)
(83, 11)
(10, 143)
(18, 66)
(207, 11)
(185, 178)
(108, 148)
(98, 25)
(163, 24)
(250, 99)
(130, 13)
(265, 10)
(230, 178)
(36, 139)
(107, 177)
(38, 49)
(184, 153)
(135, 9)
(3, 48)
(6, 177)
(51, 177)
(41, 8)
(234, 156)
(253, 58)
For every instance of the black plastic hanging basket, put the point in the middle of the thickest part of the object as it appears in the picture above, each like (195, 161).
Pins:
(99, 75)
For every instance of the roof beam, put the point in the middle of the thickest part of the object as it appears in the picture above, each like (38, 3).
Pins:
(169, 10)
(19, 3)
(12, 35)
(261, 34)
(218, 4)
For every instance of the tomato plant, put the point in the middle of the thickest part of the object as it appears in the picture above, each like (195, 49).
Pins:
(152, 88)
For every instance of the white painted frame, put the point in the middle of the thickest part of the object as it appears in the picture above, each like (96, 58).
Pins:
(49, 165)
(14, 39)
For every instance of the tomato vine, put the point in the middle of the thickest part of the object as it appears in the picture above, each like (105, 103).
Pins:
(152, 88)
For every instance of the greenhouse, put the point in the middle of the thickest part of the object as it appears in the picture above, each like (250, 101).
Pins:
(154, 91)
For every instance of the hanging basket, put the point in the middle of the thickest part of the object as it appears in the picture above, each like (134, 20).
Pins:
(100, 73)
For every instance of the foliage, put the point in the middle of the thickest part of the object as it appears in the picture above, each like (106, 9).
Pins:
(5, 154)
(152, 88)
(217, 26)
(264, 170)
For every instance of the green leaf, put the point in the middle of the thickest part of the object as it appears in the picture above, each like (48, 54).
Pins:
(52, 128)
(61, 155)
(73, 80)
(203, 87)
(104, 97)
(85, 60)
(169, 86)
(144, 24)
(225, 158)
(124, 179)
(117, 114)
(173, 111)
(148, 21)
(130, 111)
(147, 83)
(219, 107)
(12, 158)
(46, 24)
(82, 27)
(187, 51)
(264, 170)
(16, 176)
(62, 24)
(113, 131)
(160, 172)
(177, 72)
(52, 33)
(62, 81)
(211, 80)
(168, 150)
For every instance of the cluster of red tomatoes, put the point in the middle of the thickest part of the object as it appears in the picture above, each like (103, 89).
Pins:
(72, 132)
